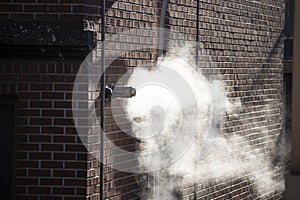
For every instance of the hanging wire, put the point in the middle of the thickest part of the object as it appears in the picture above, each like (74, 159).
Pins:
(102, 100)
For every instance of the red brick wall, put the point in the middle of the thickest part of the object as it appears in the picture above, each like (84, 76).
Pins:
(243, 38)
(51, 161)
(41, 9)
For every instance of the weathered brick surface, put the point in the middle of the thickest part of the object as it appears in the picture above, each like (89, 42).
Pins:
(50, 158)
(244, 39)
(42, 10)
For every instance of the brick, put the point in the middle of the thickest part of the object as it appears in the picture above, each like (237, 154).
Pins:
(53, 95)
(53, 78)
(72, 1)
(75, 182)
(63, 87)
(69, 113)
(48, 1)
(39, 138)
(52, 147)
(64, 191)
(64, 156)
(10, 8)
(70, 79)
(40, 156)
(41, 87)
(22, 121)
(52, 130)
(20, 138)
(62, 104)
(71, 130)
(72, 16)
(8, 77)
(80, 192)
(81, 156)
(51, 164)
(28, 129)
(81, 174)
(26, 197)
(36, 8)
(40, 121)
(63, 173)
(39, 172)
(60, 8)
(18, 16)
(21, 172)
(29, 78)
(75, 148)
(27, 146)
(39, 190)
(29, 113)
(73, 197)
(27, 164)
(75, 165)
(50, 197)
(29, 95)
(51, 181)
(40, 104)
(64, 122)
(64, 139)
(68, 96)
(53, 113)
(27, 181)
(77, 8)
(47, 16)
(23, 1)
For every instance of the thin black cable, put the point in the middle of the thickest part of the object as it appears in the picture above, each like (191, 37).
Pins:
(197, 34)
(102, 100)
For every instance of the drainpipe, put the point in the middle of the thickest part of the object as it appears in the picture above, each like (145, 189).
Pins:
(161, 48)
(163, 12)
(293, 179)
(102, 105)
(161, 43)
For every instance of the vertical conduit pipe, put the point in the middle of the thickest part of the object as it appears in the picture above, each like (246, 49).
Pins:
(161, 47)
(197, 65)
(162, 26)
(102, 101)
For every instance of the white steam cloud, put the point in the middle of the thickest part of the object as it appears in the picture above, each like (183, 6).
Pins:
(177, 114)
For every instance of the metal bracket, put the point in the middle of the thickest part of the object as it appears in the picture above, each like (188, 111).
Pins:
(112, 91)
